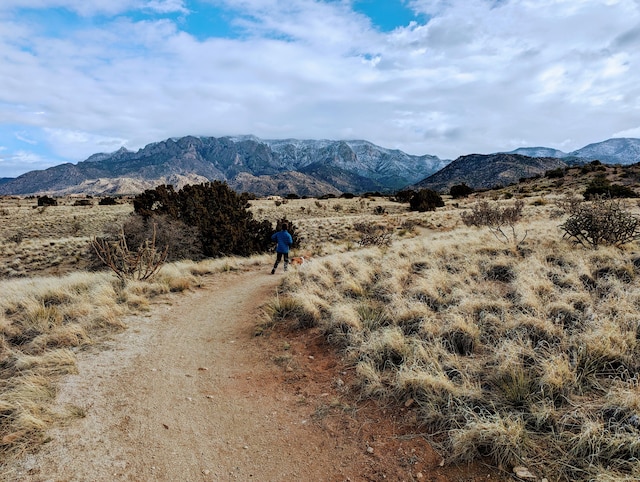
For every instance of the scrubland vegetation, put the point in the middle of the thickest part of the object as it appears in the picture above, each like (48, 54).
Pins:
(524, 352)
(522, 349)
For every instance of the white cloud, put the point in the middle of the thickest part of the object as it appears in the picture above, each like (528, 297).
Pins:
(21, 161)
(479, 76)
(98, 7)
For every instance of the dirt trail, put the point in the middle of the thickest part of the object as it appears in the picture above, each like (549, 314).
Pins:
(187, 393)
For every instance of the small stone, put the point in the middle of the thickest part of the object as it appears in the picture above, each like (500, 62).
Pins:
(202, 369)
(245, 447)
(523, 473)
(370, 450)
(419, 475)
(409, 402)
(206, 472)
(311, 357)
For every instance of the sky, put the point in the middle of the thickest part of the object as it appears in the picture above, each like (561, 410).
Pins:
(439, 77)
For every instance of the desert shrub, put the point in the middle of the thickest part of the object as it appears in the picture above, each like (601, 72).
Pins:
(181, 240)
(425, 200)
(601, 186)
(83, 202)
(372, 234)
(46, 201)
(224, 224)
(554, 173)
(460, 190)
(107, 201)
(601, 222)
(403, 196)
(379, 210)
(500, 221)
(140, 264)
(347, 195)
(292, 195)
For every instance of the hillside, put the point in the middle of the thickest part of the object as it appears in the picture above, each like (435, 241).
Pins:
(304, 167)
(487, 171)
(245, 163)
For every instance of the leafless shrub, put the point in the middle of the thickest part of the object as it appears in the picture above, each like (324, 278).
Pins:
(569, 204)
(601, 222)
(500, 221)
(140, 265)
(373, 234)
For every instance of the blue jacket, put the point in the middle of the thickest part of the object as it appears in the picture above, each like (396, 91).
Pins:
(284, 240)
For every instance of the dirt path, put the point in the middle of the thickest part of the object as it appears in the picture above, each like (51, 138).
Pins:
(187, 393)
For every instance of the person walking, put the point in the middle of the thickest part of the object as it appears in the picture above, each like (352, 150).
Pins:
(285, 241)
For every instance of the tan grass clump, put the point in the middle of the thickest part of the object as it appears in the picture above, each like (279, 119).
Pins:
(43, 320)
(527, 355)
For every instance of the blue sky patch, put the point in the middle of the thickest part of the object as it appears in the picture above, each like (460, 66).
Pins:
(386, 15)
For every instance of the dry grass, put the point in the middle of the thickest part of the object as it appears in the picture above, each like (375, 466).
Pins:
(53, 240)
(527, 355)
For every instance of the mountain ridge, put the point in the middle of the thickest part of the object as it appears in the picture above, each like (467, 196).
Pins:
(302, 166)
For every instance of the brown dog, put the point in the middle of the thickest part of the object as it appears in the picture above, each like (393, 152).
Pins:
(300, 260)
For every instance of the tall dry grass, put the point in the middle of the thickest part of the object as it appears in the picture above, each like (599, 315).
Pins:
(527, 355)
(45, 321)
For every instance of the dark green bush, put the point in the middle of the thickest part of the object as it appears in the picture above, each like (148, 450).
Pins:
(46, 201)
(425, 200)
(107, 201)
(219, 214)
(404, 196)
(554, 173)
(460, 190)
(601, 186)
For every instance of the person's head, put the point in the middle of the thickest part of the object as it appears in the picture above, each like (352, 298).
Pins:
(284, 226)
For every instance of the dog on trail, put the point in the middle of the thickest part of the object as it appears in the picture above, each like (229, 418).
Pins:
(300, 260)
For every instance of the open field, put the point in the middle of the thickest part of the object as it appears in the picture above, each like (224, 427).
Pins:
(526, 355)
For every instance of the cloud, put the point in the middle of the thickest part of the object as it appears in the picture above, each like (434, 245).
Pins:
(476, 76)
(98, 7)
(18, 162)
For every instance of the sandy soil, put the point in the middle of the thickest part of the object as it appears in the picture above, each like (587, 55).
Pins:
(188, 393)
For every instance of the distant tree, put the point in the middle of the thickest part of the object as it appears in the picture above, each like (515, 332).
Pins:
(425, 200)
(460, 190)
(554, 173)
(404, 196)
(46, 201)
(601, 186)
(107, 201)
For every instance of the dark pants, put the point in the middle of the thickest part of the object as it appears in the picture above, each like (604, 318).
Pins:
(279, 257)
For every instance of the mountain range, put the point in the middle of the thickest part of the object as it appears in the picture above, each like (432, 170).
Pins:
(303, 167)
